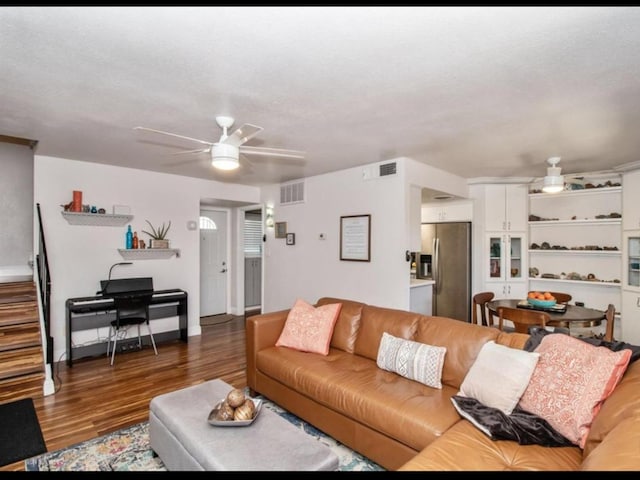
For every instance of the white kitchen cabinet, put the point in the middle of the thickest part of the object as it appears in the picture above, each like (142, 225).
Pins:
(506, 207)
(631, 200)
(630, 318)
(447, 212)
(630, 314)
(421, 296)
(506, 266)
(575, 240)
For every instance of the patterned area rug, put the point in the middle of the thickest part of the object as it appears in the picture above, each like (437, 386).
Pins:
(128, 450)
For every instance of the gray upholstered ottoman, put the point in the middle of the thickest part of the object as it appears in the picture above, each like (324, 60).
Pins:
(184, 440)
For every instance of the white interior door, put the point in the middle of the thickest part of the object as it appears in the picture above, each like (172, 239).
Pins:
(213, 262)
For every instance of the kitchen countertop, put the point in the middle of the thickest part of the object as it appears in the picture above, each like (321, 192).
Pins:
(421, 282)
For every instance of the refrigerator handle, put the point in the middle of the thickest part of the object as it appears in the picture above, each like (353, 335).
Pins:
(436, 264)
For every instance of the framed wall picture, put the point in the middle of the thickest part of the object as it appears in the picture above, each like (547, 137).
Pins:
(355, 238)
(281, 229)
(291, 238)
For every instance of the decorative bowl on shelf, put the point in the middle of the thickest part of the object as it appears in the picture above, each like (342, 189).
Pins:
(541, 303)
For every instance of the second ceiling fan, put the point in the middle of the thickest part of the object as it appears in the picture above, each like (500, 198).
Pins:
(225, 153)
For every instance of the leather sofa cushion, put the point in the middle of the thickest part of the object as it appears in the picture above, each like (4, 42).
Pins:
(624, 402)
(465, 448)
(619, 449)
(348, 324)
(377, 320)
(403, 409)
(462, 340)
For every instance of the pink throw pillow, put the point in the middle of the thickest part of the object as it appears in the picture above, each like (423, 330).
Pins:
(570, 382)
(309, 329)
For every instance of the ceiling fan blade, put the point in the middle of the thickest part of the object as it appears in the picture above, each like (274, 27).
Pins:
(173, 135)
(243, 134)
(198, 150)
(272, 152)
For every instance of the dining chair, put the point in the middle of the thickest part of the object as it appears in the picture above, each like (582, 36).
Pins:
(561, 297)
(522, 318)
(130, 310)
(480, 301)
(610, 315)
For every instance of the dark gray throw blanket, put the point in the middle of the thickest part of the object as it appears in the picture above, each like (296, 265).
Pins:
(521, 426)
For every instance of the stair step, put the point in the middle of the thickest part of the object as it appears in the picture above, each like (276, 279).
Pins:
(16, 313)
(22, 361)
(17, 292)
(20, 336)
(25, 386)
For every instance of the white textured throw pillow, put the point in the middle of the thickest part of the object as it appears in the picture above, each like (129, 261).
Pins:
(413, 360)
(499, 376)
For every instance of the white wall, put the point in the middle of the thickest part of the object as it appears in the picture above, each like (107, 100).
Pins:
(16, 214)
(80, 256)
(312, 268)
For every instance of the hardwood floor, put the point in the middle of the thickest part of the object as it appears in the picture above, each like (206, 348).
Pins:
(94, 398)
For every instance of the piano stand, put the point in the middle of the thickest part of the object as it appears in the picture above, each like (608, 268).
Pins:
(87, 313)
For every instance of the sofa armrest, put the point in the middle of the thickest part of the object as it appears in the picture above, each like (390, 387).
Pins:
(262, 331)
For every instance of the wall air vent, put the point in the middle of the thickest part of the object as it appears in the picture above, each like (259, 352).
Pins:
(379, 170)
(292, 193)
(388, 169)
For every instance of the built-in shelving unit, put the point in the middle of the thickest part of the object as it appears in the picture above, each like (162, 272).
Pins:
(148, 253)
(96, 219)
(593, 245)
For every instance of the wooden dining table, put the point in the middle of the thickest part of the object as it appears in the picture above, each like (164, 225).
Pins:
(574, 316)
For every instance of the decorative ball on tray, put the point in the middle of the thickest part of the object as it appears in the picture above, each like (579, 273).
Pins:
(236, 406)
(541, 299)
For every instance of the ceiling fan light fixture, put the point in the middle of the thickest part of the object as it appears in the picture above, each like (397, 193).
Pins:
(554, 181)
(224, 156)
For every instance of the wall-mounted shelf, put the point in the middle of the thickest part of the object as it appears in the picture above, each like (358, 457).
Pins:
(148, 253)
(96, 219)
(594, 221)
(583, 282)
(595, 253)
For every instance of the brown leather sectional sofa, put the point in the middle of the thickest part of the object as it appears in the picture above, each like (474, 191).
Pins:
(404, 425)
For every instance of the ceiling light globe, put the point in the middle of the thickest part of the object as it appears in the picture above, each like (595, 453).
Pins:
(553, 184)
(224, 156)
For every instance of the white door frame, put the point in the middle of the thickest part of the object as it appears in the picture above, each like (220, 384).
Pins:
(230, 266)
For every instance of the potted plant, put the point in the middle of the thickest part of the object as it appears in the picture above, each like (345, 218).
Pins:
(159, 235)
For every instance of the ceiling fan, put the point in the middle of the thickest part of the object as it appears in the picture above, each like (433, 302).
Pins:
(225, 153)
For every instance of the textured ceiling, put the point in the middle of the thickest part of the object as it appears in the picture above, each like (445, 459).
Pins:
(476, 91)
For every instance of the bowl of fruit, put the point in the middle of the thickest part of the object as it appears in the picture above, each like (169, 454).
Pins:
(541, 299)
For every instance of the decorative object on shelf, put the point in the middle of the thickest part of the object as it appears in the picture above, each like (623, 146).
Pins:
(94, 209)
(128, 238)
(291, 238)
(281, 229)
(102, 211)
(158, 236)
(135, 240)
(77, 201)
(554, 181)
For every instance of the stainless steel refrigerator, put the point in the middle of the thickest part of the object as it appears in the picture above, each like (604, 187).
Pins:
(449, 245)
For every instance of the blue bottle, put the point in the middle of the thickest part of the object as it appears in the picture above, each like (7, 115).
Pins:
(129, 238)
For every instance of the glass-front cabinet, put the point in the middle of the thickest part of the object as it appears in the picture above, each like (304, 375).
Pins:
(505, 257)
(632, 260)
(507, 265)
